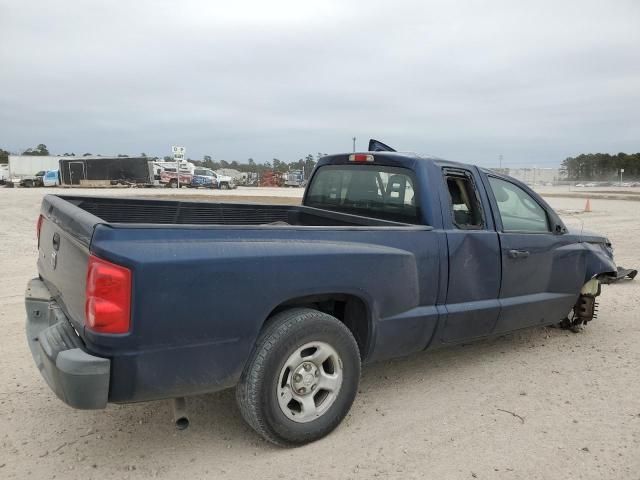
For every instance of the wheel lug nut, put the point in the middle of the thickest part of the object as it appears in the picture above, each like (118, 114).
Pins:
(317, 373)
(297, 377)
(302, 390)
(307, 367)
(313, 387)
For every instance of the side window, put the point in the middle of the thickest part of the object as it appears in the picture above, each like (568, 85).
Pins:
(518, 210)
(466, 211)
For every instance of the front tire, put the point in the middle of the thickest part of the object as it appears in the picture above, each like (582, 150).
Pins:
(301, 378)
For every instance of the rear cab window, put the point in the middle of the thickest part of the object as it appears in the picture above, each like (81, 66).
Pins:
(377, 191)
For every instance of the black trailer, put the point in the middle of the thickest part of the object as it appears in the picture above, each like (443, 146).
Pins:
(106, 171)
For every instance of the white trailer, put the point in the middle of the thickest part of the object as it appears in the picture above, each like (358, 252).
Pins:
(25, 167)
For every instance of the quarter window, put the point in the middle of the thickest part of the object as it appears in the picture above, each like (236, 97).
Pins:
(518, 210)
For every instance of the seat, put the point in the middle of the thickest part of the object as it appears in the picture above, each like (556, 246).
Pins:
(397, 184)
(461, 217)
(363, 189)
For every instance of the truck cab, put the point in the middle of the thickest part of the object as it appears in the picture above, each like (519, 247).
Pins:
(51, 178)
(204, 177)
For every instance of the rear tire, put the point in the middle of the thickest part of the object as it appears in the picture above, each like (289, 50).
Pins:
(289, 362)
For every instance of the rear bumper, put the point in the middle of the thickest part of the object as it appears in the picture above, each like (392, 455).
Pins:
(79, 379)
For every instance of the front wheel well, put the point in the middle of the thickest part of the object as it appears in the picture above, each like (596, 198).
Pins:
(349, 309)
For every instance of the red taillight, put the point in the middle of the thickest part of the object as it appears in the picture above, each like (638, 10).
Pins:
(39, 227)
(360, 157)
(108, 297)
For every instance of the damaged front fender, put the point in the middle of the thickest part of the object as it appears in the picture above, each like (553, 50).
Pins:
(600, 269)
(599, 261)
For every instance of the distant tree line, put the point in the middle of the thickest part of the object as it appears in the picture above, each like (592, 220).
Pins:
(251, 166)
(601, 166)
(41, 149)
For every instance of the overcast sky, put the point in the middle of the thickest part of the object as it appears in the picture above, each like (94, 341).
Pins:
(464, 81)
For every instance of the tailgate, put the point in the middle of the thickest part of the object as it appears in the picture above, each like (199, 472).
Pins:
(63, 253)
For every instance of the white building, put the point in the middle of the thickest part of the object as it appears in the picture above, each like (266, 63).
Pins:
(533, 175)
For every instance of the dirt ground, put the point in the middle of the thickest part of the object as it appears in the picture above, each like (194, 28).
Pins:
(538, 404)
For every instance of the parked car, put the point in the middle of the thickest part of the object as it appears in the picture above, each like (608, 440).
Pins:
(51, 178)
(591, 184)
(389, 254)
(204, 177)
(33, 181)
(579, 185)
(225, 182)
(170, 179)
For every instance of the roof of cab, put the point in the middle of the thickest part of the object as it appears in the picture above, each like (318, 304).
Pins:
(407, 159)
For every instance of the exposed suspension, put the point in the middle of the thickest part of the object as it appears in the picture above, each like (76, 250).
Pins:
(585, 309)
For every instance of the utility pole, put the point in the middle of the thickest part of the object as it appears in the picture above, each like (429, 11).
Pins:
(500, 162)
(354, 144)
(178, 156)
(534, 176)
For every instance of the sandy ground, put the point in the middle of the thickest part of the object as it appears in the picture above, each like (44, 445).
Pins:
(442, 414)
(603, 193)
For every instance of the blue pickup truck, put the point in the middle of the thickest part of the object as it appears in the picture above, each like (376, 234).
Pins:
(388, 254)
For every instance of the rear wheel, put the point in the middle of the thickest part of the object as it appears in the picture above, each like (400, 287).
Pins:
(224, 186)
(301, 379)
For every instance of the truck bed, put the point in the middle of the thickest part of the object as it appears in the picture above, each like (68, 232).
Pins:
(172, 212)
(205, 276)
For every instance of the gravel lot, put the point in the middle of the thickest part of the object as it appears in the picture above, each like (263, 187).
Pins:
(543, 403)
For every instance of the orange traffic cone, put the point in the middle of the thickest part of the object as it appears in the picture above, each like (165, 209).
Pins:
(587, 207)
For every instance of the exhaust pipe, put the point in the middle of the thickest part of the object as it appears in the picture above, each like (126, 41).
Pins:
(179, 409)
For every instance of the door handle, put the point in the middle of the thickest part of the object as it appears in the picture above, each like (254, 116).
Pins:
(518, 253)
